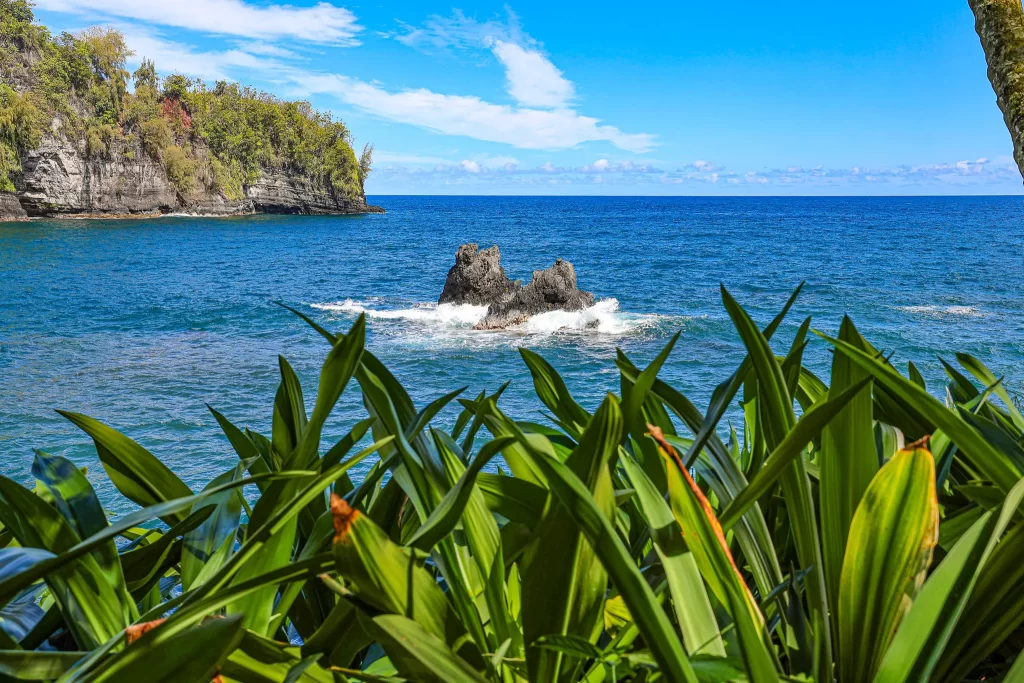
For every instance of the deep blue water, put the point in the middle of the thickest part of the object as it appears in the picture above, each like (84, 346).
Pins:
(141, 323)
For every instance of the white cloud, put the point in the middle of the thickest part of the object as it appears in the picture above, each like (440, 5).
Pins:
(461, 32)
(462, 115)
(174, 57)
(605, 166)
(543, 117)
(470, 166)
(321, 23)
(532, 79)
(962, 173)
(470, 116)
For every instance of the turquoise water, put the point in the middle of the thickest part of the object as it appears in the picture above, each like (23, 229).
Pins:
(141, 323)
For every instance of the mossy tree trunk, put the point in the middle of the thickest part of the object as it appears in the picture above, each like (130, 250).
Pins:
(1000, 25)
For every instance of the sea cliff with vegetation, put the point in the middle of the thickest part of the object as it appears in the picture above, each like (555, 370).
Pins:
(81, 135)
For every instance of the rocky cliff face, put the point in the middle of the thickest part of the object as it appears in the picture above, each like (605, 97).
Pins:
(10, 207)
(58, 179)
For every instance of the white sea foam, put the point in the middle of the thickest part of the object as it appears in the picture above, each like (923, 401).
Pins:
(458, 315)
(937, 311)
(604, 317)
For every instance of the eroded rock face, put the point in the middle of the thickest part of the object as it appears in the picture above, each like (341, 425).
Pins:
(553, 289)
(58, 179)
(10, 208)
(478, 278)
(280, 192)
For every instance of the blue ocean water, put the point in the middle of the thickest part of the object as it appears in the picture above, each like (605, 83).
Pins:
(141, 323)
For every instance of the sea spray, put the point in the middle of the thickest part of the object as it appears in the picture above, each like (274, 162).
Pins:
(604, 317)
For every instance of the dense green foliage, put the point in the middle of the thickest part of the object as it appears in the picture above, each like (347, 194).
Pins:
(628, 543)
(208, 139)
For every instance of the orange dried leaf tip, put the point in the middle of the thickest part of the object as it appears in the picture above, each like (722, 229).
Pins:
(659, 436)
(344, 515)
(705, 504)
(920, 443)
(136, 631)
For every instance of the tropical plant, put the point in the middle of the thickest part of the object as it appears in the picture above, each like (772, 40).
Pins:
(860, 530)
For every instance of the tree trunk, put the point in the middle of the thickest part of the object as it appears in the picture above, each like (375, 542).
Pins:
(1000, 25)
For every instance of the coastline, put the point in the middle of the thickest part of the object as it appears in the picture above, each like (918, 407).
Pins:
(12, 211)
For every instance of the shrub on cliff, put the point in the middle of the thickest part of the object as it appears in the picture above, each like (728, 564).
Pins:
(621, 542)
(82, 81)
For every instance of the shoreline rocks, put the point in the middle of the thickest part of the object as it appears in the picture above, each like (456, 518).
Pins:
(478, 278)
(59, 180)
(10, 208)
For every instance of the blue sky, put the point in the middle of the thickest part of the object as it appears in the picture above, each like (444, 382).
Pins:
(610, 98)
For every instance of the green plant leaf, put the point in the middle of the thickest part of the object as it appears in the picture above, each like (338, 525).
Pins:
(890, 545)
(192, 655)
(806, 429)
(136, 472)
(988, 460)
(848, 458)
(564, 583)
(647, 613)
(413, 642)
(91, 606)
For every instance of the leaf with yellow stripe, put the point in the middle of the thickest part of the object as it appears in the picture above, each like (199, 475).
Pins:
(892, 535)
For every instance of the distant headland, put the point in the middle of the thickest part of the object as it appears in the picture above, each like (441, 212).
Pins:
(74, 141)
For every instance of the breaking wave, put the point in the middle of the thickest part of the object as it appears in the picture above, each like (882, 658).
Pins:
(604, 317)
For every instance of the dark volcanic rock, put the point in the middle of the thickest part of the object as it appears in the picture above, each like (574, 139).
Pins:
(477, 278)
(553, 289)
(10, 207)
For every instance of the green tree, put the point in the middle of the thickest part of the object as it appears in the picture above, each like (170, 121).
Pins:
(145, 76)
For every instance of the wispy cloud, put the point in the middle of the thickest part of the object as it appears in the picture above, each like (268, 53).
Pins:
(459, 32)
(321, 23)
(178, 57)
(547, 124)
(470, 116)
(543, 116)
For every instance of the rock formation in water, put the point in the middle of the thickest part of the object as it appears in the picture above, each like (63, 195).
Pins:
(478, 278)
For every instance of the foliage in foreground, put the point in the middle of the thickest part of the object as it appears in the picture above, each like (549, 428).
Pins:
(856, 531)
(214, 140)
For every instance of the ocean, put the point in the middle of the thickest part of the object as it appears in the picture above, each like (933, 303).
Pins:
(142, 323)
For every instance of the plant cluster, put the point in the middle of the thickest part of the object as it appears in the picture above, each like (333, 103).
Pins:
(218, 139)
(856, 530)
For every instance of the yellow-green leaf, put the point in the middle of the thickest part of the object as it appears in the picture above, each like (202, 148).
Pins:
(892, 535)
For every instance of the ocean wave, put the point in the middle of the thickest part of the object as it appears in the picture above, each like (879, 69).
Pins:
(458, 315)
(944, 311)
(604, 317)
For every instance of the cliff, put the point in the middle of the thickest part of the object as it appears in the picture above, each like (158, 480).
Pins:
(59, 179)
(80, 135)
